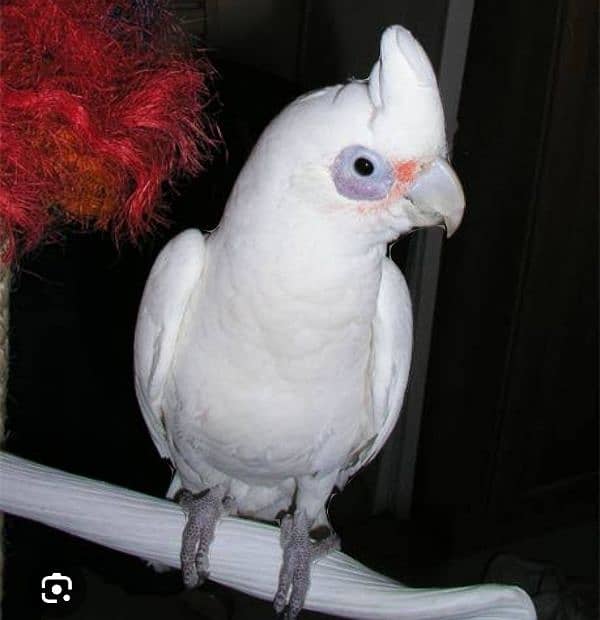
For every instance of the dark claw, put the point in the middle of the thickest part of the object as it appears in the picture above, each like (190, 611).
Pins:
(203, 512)
(299, 551)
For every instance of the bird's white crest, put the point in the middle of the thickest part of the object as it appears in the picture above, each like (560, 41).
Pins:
(404, 92)
(402, 68)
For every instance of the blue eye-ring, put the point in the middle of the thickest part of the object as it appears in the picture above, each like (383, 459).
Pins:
(360, 173)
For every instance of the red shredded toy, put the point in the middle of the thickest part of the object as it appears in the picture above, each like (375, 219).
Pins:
(100, 104)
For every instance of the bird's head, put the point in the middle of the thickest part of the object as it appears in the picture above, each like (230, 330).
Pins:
(370, 155)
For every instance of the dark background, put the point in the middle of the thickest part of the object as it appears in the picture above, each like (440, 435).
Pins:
(508, 455)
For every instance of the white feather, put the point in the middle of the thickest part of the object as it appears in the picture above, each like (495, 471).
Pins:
(175, 274)
(391, 356)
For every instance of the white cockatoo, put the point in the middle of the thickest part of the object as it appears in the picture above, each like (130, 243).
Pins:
(272, 355)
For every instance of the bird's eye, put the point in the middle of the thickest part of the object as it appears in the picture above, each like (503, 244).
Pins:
(363, 166)
(362, 174)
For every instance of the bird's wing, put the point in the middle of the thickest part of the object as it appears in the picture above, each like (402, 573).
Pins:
(175, 274)
(391, 351)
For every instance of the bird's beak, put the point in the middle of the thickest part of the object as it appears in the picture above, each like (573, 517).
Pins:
(437, 195)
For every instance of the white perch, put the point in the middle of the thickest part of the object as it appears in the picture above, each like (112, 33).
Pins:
(244, 555)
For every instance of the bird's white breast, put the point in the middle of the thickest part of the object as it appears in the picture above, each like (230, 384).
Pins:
(270, 379)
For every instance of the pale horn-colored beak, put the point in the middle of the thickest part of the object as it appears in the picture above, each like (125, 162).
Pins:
(437, 193)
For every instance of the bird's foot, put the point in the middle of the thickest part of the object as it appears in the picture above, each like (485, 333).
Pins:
(203, 512)
(299, 551)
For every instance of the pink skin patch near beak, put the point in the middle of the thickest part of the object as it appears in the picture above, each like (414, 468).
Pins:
(406, 171)
(404, 174)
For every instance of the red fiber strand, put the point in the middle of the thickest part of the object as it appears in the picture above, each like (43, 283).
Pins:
(100, 104)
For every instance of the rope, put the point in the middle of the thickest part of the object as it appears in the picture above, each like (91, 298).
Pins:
(4, 310)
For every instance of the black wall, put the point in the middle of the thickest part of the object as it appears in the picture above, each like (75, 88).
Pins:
(510, 430)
